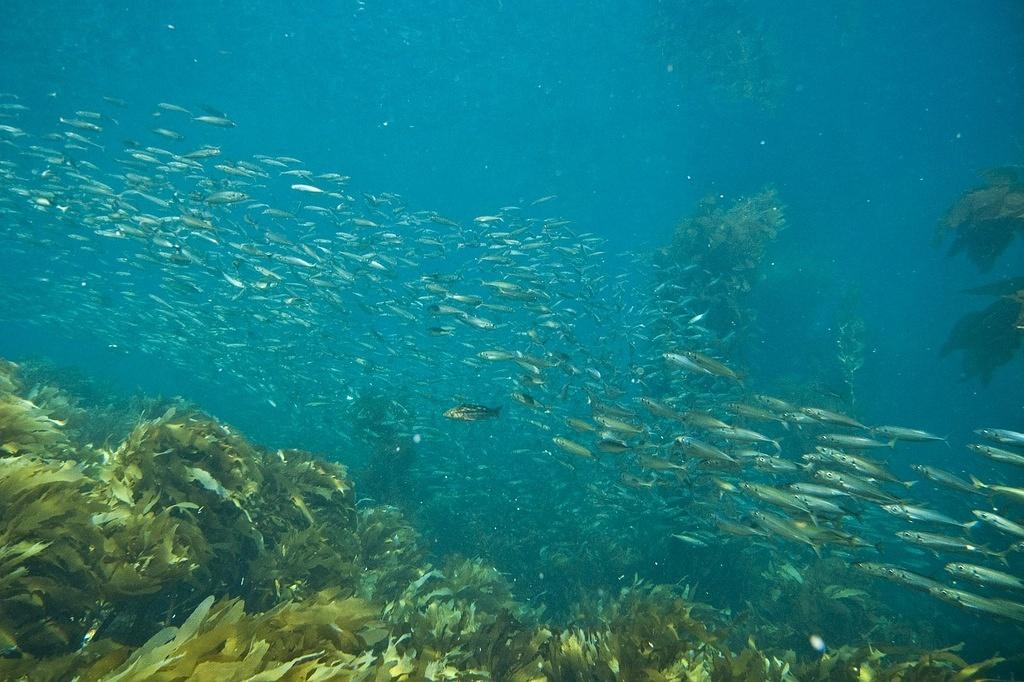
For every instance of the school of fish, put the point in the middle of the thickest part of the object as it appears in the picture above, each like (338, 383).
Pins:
(607, 401)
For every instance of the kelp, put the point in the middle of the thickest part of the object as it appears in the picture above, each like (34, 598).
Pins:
(188, 553)
(984, 221)
(728, 47)
(306, 519)
(718, 253)
(25, 427)
(47, 578)
(991, 337)
(390, 553)
(317, 640)
(451, 618)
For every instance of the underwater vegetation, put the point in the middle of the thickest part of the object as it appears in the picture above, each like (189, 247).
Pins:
(983, 223)
(730, 49)
(188, 553)
(850, 351)
(991, 337)
(715, 256)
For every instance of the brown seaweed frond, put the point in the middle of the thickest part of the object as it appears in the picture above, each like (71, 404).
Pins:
(48, 585)
(984, 221)
(27, 428)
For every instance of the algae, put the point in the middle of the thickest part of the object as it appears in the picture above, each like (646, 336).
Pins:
(187, 553)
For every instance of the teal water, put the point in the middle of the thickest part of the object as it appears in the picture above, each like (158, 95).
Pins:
(868, 121)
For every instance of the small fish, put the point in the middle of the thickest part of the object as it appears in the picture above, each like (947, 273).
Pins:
(580, 425)
(226, 197)
(572, 447)
(967, 600)
(901, 433)
(700, 450)
(733, 433)
(700, 364)
(496, 355)
(613, 445)
(1002, 523)
(689, 540)
(1006, 490)
(219, 121)
(842, 440)
(921, 514)
(527, 399)
(233, 281)
(619, 425)
(659, 464)
(945, 478)
(166, 106)
(984, 576)
(898, 575)
(659, 409)
(1002, 436)
(944, 542)
(828, 417)
(168, 133)
(998, 454)
(472, 413)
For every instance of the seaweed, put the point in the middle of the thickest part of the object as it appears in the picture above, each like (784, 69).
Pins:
(25, 427)
(718, 252)
(985, 220)
(188, 553)
(983, 223)
(390, 553)
(306, 520)
(988, 338)
(726, 46)
(47, 580)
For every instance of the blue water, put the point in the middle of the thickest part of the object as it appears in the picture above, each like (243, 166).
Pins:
(869, 119)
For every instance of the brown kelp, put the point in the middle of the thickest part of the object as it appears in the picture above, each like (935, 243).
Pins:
(733, 50)
(991, 337)
(715, 257)
(187, 552)
(984, 221)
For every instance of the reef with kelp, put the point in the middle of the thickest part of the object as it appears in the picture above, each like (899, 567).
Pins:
(186, 552)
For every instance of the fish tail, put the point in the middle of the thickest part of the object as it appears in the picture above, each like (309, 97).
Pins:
(977, 483)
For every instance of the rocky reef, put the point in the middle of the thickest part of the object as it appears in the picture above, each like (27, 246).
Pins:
(187, 553)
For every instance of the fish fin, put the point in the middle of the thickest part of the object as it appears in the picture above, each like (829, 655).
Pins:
(817, 550)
